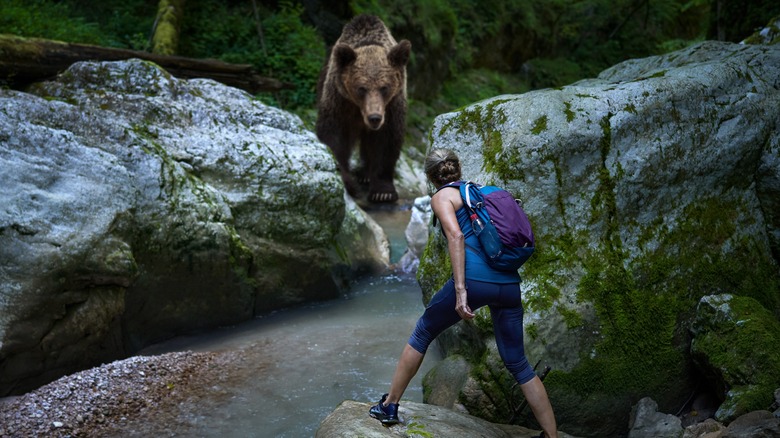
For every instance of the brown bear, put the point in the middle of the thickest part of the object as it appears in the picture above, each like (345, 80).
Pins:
(361, 97)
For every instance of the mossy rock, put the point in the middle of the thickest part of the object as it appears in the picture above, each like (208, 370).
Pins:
(727, 330)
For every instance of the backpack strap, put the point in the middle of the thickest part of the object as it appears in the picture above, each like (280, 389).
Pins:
(467, 191)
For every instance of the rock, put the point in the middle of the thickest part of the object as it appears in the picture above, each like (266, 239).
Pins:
(757, 424)
(648, 187)
(416, 234)
(703, 407)
(446, 381)
(647, 422)
(135, 206)
(776, 404)
(708, 428)
(745, 375)
(350, 419)
(769, 34)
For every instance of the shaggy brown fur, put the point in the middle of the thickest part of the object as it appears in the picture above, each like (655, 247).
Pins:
(361, 97)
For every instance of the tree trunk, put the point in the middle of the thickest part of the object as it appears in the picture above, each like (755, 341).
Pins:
(167, 25)
(28, 60)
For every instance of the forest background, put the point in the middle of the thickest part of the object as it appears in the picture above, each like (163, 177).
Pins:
(462, 50)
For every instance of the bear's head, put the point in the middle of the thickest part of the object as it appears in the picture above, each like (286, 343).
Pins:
(372, 76)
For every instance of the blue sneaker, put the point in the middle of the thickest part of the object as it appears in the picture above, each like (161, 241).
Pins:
(388, 415)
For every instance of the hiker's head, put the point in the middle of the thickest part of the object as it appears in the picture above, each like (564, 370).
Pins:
(442, 166)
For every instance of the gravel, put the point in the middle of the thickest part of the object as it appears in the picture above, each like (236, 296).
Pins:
(113, 399)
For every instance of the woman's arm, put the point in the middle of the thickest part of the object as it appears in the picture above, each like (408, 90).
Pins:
(444, 204)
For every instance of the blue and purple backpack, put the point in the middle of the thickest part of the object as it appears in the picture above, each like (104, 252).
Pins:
(506, 239)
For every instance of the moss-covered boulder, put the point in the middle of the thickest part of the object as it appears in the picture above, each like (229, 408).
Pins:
(736, 344)
(649, 187)
(135, 206)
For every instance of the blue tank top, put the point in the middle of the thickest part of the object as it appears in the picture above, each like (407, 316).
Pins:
(477, 267)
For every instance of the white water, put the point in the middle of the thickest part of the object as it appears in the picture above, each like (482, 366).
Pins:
(307, 360)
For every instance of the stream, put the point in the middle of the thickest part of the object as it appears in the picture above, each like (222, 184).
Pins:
(307, 360)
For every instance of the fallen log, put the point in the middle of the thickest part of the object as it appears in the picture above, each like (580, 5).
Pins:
(27, 60)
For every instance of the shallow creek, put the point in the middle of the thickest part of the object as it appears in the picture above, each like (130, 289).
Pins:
(307, 360)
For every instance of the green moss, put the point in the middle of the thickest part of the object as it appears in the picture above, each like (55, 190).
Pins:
(497, 384)
(532, 330)
(569, 113)
(435, 268)
(725, 343)
(483, 321)
(540, 125)
(240, 258)
(414, 429)
(484, 119)
(553, 252)
(571, 317)
(658, 74)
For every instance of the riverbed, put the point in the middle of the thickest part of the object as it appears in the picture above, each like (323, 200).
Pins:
(300, 363)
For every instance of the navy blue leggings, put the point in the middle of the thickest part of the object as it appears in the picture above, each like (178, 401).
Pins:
(506, 310)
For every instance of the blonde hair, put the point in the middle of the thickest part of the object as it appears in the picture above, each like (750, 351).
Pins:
(442, 166)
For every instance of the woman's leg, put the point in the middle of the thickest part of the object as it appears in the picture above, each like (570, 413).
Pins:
(536, 396)
(507, 316)
(407, 367)
(439, 314)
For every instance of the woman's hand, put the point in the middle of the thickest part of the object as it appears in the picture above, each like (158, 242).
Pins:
(461, 303)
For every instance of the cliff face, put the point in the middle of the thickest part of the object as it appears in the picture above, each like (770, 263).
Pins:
(135, 206)
(649, 188)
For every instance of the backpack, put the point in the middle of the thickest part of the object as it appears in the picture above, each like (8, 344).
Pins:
(500, 224)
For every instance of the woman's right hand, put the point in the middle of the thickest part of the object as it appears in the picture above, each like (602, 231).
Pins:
(461, 303)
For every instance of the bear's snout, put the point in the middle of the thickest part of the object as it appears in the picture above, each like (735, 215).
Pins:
(374, 121)
(374, 109)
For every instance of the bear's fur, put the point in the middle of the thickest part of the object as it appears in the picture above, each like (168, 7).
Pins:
(361, 97)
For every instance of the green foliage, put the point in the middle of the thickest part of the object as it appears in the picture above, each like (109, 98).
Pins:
(474, 85)
(289, 50)
(42, 19)
(125, 24)
(296, 54)
(435, 19)
(545, 72)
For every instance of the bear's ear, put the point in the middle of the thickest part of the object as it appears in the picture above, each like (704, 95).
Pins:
(343, 55)
(398, 56)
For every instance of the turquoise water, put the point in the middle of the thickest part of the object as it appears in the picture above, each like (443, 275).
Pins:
(303, 362)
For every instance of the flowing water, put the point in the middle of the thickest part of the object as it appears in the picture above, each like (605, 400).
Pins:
(307, 360)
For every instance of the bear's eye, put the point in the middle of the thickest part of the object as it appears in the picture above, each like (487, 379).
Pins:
(384, 91)
(362, 91)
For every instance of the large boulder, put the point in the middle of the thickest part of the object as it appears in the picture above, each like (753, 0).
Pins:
(648, 187)
(135, 206)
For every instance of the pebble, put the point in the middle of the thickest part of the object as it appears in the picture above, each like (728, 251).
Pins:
(98, 401)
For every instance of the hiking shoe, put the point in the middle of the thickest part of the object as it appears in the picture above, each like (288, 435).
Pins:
(386, 414)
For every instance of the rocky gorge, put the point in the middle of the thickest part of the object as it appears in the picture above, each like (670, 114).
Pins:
(137, 206)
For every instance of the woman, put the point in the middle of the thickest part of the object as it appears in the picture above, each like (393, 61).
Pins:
(473, 284)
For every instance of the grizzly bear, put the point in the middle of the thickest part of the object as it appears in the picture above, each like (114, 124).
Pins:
(361, 97)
